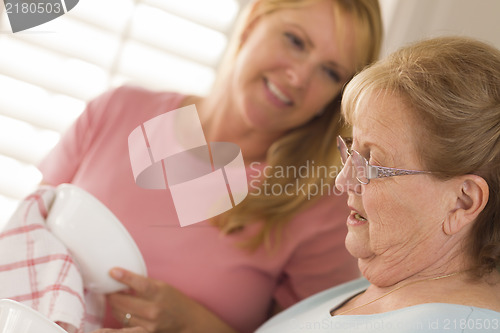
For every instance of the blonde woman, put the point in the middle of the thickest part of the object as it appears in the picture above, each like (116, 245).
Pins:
(277, 98)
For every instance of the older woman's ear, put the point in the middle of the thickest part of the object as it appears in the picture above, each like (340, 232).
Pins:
(472, 197)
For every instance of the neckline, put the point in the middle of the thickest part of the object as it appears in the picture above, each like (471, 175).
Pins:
(338, 306)
(412, 307)
(347, 300)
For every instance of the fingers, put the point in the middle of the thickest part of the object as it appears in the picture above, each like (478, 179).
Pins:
(67, 327)
(148, 304)
(129, 321)
(143, 286)
(123, 330)
(122, 304)
(131, 311)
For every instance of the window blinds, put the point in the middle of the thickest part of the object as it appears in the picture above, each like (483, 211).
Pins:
(47, 73)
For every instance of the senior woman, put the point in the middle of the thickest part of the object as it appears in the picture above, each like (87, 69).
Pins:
(422, 174)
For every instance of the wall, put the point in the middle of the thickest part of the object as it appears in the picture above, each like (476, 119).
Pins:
(409, 20)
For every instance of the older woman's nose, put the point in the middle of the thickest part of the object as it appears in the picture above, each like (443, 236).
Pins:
(346, 180)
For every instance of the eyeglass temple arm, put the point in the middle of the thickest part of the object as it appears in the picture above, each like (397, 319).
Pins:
(381, 172)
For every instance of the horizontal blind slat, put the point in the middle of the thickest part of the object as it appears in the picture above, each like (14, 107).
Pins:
(177, 35)
(24, 141)
(216, 14)
(165, 71)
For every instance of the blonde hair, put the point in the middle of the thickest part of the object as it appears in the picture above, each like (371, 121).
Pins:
(451, 86)
(313, 142)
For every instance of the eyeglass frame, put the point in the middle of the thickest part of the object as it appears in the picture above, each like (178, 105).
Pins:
(372, 171)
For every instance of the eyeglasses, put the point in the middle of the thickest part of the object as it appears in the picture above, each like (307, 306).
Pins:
(362, 169)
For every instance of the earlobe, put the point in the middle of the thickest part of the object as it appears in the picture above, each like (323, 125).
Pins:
(471, 199)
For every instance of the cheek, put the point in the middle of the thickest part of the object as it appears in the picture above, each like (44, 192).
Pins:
(248, 61)
(260, 54)
(390, 219)
(398, 219)
(319, 94)
(378, 200)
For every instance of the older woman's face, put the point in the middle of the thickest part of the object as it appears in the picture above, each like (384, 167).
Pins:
(291, 64)
(395, 226)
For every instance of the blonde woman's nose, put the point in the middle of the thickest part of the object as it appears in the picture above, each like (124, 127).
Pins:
(299, 75)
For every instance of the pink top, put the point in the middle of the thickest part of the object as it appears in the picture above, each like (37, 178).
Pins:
(236, 285)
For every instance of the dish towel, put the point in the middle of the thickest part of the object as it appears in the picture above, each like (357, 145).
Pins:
(36, 269)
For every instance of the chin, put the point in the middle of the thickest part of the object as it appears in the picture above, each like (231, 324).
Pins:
(257, 119)
(357, 247)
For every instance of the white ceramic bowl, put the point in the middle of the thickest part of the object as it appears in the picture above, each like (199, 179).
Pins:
(95, 237)
(16, 317)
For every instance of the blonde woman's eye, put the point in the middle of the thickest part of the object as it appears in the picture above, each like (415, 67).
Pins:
(295, 40)
(332, 74)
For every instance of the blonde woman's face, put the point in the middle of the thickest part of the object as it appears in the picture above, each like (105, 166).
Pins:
(292, 63)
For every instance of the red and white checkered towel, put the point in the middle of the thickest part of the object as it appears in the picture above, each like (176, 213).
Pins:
(36, 268)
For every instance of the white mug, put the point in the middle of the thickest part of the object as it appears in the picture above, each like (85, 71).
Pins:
(16, 317)
(94, 236)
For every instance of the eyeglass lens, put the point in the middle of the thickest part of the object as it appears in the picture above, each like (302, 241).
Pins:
(343, 150)
(359, 163)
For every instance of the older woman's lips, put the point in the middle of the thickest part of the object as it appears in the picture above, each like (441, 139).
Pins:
(355, 219)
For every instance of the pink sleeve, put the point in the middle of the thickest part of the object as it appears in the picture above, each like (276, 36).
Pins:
(61, 163)
(320, 260)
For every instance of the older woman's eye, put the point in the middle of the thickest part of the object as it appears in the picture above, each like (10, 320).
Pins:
(366, 154)
(295, 40)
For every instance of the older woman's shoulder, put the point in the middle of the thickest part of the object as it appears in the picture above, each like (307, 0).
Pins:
(435, 317)
(430, 317)
(313, 315)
